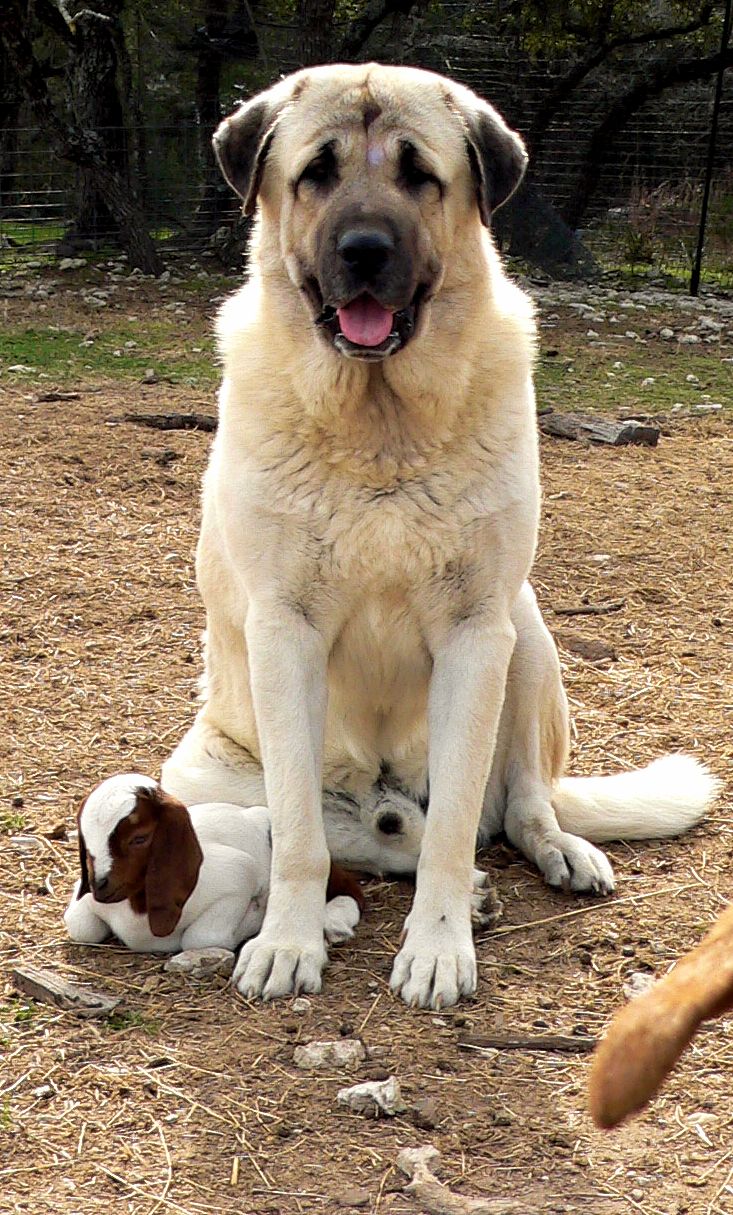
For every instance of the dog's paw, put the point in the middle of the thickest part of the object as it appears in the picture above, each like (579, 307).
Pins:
(435, 968)
(342, 916)
(572, 863)
(486, 906)
(268, 968)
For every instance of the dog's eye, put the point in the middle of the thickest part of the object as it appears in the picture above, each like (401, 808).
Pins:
(413, 175)
(321, 171)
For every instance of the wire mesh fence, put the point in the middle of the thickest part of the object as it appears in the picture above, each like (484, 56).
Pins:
(642, 218)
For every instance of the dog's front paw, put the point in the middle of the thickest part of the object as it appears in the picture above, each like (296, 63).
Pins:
(435, 967)
(268, 968)
(573, 864)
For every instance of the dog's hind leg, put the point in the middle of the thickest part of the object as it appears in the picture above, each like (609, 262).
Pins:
(530, 756)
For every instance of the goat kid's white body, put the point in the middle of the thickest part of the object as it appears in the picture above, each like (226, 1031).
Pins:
(227, 904)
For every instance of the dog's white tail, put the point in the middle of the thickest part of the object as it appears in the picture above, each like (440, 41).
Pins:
(667, 797)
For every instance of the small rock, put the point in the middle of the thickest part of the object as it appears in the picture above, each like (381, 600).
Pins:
(638, 983)
(592, 333)
(21, 369)
(71, 263)
(666, 333)
(44, 1092)
(707, 407)
(419, 1160)
(201, 963)
(149, 376)
(425, 1113)
(354, 1198)
(648, 382)
(300, 1005)
(347, 1052)
(637, 1195)
(689, 339)
(375, 1098)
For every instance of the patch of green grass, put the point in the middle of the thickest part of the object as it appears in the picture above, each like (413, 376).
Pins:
(6, 1117)
(35, 232)
(587, 378)
(133, 1020)
(61, 353)
(11, 820)
(24, 1014)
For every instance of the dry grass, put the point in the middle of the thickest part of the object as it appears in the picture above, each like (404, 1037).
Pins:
(188, 1101)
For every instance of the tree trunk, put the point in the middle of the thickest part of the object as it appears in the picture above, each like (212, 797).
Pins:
(96, 106)
(534, 231)
(81, 146)
(315, 20)
(10, 102)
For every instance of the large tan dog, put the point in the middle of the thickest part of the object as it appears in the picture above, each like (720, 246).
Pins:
(369, 521)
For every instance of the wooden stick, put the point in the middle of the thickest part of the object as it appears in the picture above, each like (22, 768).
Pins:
(51, 988)
(556, 1043)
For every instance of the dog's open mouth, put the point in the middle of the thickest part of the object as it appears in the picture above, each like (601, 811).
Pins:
(365, 329)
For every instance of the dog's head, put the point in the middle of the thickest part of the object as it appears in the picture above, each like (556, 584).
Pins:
(136, 842)
(366, 177)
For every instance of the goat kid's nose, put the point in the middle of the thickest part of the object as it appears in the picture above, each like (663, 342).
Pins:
(365, 250)
(101, 885)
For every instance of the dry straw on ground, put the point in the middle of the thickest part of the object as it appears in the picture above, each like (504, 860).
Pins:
(188, 1101)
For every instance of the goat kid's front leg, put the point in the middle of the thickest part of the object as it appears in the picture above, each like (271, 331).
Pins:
(287, 660)
(437, 962)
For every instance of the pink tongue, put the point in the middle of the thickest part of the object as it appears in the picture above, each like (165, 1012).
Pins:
(365, 322)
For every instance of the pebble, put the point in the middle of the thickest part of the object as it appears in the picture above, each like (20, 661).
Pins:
(666, 333)
(689, 339)
(354, 1198)
(375, 1098)
(346, 1052)
(201, 963)
(300, 1005)
(71, 263)
(638, 983)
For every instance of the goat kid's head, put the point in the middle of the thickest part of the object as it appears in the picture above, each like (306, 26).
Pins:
(136, 842)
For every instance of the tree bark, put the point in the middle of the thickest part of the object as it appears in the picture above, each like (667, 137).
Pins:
(73, 142)
(315, 20)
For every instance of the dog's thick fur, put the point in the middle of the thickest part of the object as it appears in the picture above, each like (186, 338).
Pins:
(369, 524)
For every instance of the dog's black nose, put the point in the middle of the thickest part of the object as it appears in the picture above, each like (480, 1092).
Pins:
(365, 250)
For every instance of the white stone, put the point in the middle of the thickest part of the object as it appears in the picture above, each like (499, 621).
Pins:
(71, 263)
(638, 984)
(201, 963)
(666, 333)
(689, 339)
(301, 1005)
(345, 1052)
(422, 1160)
(375, 1098)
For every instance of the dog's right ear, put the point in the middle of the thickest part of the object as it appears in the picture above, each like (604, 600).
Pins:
(242, 141)
(84, 888)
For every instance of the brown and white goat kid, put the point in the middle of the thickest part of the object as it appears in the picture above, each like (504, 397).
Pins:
(162, 877)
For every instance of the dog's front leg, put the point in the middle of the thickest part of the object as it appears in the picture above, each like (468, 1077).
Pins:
(437, 962)
(287, 659)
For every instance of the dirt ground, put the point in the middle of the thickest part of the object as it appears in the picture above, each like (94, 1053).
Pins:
(188, 1100)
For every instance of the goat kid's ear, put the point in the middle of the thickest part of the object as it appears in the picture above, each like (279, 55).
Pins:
(242, 141)
(497, 154)
(85, 887)
(174, 861)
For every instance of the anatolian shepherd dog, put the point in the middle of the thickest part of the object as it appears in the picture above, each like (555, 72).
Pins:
(370, 516)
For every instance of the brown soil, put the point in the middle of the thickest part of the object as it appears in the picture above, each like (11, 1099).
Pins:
(189, 1101)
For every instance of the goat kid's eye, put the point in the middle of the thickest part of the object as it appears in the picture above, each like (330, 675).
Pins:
(138, 840)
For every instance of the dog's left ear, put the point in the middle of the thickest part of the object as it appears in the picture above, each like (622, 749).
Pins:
(497, 154)
(242, 141)
(174, 860)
